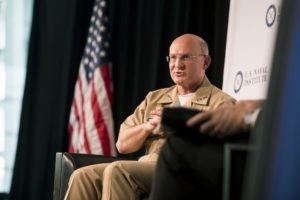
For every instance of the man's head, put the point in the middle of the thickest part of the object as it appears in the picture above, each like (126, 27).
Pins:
(188, 59)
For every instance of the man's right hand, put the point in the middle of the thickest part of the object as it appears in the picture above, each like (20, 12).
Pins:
(225, 120)
(154, 122)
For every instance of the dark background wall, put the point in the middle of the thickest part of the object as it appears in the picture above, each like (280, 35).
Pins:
(142, 31)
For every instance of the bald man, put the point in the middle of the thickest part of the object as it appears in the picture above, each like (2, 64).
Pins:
(188, 60)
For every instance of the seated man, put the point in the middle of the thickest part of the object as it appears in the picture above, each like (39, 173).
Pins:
(188, 169)
(188, 59)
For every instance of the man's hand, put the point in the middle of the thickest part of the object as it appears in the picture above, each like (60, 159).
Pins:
(154, 122)
(132, 139)
(225, 120)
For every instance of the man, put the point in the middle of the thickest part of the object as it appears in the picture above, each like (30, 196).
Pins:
(188, 59)
(188, 169)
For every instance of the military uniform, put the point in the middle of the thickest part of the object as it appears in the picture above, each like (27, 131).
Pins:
(131, 179)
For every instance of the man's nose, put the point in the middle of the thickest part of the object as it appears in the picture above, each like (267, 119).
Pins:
(178, 62)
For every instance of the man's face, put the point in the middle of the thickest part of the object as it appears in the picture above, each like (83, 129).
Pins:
(187, 63)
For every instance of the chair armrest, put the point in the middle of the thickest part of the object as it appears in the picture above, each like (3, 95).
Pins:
(235, 158)
(66, 163)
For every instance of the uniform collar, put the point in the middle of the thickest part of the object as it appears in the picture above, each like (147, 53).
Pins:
(202, 94)
(170, 96)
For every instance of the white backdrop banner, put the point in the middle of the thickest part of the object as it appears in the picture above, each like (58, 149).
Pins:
(252, 29)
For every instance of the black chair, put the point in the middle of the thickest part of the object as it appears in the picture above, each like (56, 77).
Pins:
(66, 163)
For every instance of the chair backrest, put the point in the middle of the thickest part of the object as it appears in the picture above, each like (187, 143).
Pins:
(63, 170)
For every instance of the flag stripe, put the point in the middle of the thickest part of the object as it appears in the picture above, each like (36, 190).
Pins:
(107, 80)
(104, 102)
(76, 142)
(83, 123)
(99, 121)
(107, 109)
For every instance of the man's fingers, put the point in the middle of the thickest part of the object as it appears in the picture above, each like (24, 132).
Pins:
(210, 126)
(155, 120)
(207, 128)
(157, 111)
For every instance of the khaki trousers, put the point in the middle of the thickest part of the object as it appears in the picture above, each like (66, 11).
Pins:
(119, 180)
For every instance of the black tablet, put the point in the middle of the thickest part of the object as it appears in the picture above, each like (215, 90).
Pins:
(174, 121)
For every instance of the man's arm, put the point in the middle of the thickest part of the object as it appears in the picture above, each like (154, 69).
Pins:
(132, 139)
(225, 120)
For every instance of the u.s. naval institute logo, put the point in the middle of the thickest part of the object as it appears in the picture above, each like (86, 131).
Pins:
(271, 15)
(238, 82)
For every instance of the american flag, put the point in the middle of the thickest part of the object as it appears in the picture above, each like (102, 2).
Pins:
(91, 122)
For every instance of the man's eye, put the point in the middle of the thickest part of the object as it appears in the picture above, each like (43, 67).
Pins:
(173, 58)
(185, 57)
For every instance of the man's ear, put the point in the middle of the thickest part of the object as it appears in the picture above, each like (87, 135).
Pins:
(207, 62)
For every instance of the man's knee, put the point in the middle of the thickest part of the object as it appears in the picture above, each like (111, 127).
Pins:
(81, 173)
(112, 170)
(91, 174)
